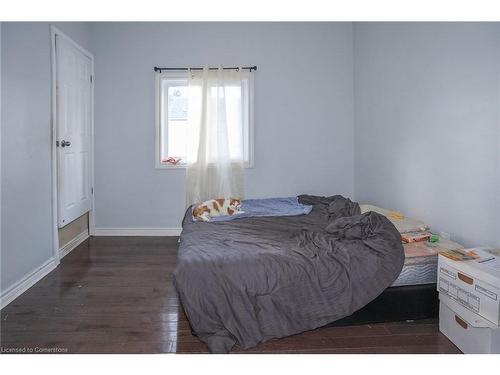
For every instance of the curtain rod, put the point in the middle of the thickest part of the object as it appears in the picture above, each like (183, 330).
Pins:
(250, 68)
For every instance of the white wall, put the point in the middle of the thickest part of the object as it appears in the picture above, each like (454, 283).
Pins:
(427, 138)
(303, 111)
(26, 231)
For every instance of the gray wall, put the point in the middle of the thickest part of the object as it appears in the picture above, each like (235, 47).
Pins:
(427, 124)
(426, 95)
(26, 209)
(303, 111)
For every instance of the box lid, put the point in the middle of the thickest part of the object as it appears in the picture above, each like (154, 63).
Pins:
(486, 268)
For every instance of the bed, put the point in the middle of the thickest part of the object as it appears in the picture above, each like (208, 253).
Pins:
(420, 265)
(246, 281)
(413, 295)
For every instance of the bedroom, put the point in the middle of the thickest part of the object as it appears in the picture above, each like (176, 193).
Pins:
(403, 116)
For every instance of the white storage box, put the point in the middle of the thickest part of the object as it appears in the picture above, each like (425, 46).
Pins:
(469, 339)
(475, 286)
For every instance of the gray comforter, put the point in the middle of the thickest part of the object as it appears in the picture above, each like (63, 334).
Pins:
(249, 280)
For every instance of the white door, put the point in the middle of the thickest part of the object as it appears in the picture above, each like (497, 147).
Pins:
(74, 116)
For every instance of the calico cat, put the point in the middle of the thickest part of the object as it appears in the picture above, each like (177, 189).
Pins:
(217, 207)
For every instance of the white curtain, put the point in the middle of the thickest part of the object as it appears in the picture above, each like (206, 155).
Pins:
(215, 159)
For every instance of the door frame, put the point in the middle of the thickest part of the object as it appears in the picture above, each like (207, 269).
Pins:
(54, 31)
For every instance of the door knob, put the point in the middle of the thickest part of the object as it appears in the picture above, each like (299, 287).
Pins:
(65, 143)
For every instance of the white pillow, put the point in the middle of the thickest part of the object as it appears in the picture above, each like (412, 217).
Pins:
(402, 223)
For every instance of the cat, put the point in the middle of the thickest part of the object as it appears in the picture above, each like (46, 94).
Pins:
(217, 207)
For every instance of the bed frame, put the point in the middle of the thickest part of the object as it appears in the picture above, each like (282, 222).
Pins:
(399, 303)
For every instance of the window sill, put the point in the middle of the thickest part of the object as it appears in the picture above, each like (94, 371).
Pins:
(184, 166)
(170, 166)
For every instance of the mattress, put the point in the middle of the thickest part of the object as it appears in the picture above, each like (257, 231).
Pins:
(417, 274)
(421, 262)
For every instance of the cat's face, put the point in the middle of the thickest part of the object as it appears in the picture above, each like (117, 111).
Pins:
(200, 211)
(235, 202)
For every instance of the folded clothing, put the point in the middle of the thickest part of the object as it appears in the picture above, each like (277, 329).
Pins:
(402, 223)
(417, 236)
(267, 207)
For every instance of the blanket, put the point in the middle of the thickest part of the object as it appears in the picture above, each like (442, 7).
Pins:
(242, 282)
(267, 207)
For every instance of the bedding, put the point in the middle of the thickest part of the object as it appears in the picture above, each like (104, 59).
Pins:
(401, 222)
(245, 281)
(266, 207)
(421, 258)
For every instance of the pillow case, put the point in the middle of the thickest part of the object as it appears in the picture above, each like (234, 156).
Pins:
(402, 223)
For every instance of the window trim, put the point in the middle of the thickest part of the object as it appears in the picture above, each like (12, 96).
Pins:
(158, 130)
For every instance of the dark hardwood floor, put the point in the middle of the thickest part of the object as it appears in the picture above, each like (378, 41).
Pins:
(115, 295)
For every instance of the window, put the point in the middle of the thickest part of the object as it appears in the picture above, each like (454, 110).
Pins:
(172, 124)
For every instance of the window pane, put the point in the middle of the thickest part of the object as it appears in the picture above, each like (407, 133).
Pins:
(177, 102)
(177, 138)
(174, 120)
(234, 122)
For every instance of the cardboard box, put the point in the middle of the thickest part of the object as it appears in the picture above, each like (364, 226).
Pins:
(473, 285)
(469, 339)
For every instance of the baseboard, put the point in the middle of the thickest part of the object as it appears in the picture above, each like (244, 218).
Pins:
(66, 249)
(146, 232)
(26, 282)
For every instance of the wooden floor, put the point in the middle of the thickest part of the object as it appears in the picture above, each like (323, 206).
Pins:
(115, 295)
